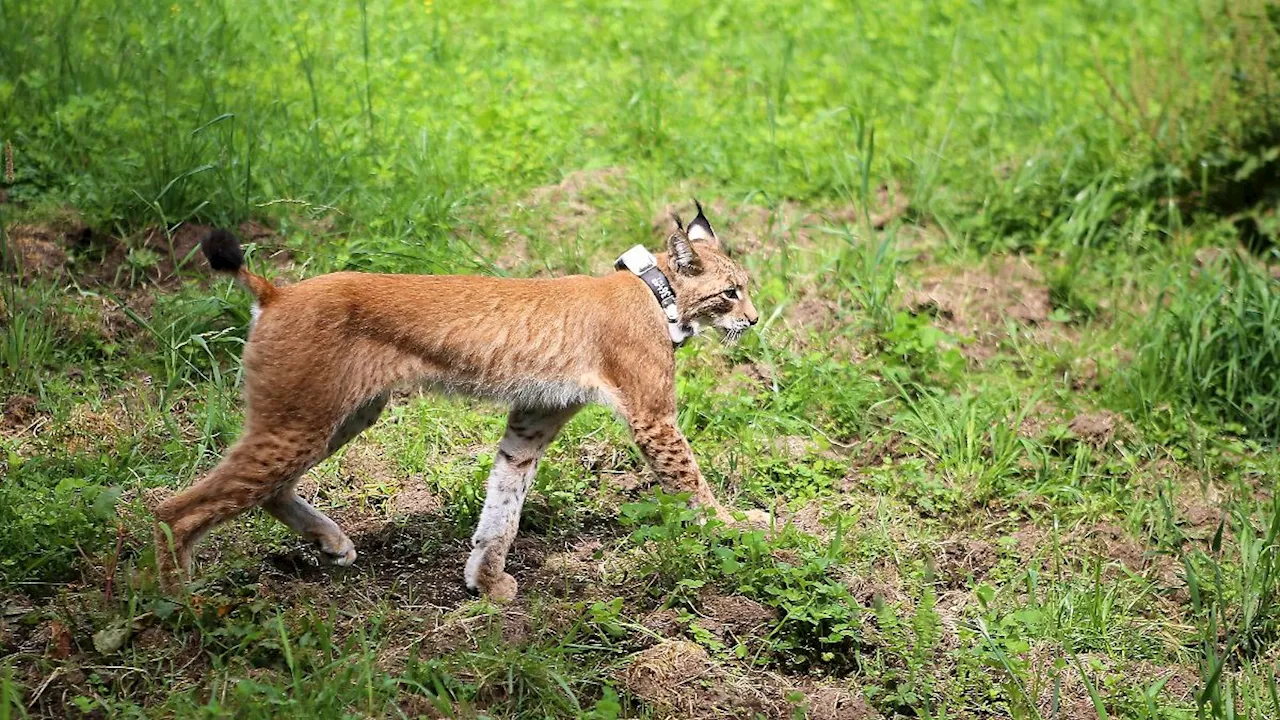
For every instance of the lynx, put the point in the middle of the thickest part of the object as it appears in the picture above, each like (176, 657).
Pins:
(323, 354)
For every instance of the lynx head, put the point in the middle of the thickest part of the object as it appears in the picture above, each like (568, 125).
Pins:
(711, 289)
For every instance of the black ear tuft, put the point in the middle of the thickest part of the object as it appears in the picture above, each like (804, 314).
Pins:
(679, 223)
(700, 229)
(223, 251)
(681, 252)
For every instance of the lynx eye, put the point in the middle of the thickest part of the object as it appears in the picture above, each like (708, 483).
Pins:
(731, 293)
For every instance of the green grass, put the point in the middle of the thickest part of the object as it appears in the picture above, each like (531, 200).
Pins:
(1041, 496)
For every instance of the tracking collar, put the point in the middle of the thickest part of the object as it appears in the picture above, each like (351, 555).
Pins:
(641, 263)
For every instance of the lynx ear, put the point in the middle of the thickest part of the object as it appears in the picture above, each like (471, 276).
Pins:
(700, 229)
(679, 247)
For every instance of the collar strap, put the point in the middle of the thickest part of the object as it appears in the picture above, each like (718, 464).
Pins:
(641, 263)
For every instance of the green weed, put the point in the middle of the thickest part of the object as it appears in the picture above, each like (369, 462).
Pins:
(1212, 347)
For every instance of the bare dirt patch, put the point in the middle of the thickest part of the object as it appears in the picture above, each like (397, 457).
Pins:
(1097, 429)
(663, 622)
(410, 564)
(415, 498)
(19, 412)
(568, 573)
(154, 256)
(573, 190)
(681, 678)
(570, 203)
(833, 700)
(961, 559)
(553, 216)
(890, 203)
(976, 304)
(734, 613)
(35, 250)
(815, 313)
(679, 675)
(1111, 542)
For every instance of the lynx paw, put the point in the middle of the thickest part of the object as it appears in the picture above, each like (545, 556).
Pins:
(754, 518)
(501, 590)
(343, 555)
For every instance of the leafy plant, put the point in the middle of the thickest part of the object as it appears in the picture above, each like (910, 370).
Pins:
(818, 621)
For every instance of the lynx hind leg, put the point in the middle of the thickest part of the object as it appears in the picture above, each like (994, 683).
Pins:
(328, 538)
(260, 465)
(529, 432)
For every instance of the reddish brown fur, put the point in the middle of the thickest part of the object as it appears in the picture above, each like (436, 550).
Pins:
(324, 352)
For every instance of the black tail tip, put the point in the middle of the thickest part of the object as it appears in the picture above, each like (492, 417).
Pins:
(223, 251)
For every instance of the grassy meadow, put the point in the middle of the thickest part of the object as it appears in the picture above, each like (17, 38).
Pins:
(1014, 400)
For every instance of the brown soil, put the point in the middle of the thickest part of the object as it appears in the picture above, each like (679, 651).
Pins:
(570, 572)
(66, 246)
(1109, 541)
(19, 412)
(815, 313)
(976, 304)
(735, 614)
(1097, 428)
(961, 559)
(745, 229)
(681, 678)
(570, 201)
(563, 210)
(834, 700)
(1084, 374)
(890, 204)
(664, 622)
(36, 250)
(808, 519)
(876, 452)
(673, 674)
(415, 498)
(573, 190)
(1039, 420)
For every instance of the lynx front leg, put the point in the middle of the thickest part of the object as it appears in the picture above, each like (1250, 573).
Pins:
(529, 432)
(668, 453)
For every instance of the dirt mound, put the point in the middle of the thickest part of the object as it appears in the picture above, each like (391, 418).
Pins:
(671, 674)
(815, 313)
(37, 250)
(734, 613)
(663, 622)
(679, 676)
(415, 498)
(575, 186)
(1111, 542)
(975, 304)
(568, 573)
(555, 214)
(571, 203)
(1097, 428)
(19, 411)
(961, 558)
(834, 700)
